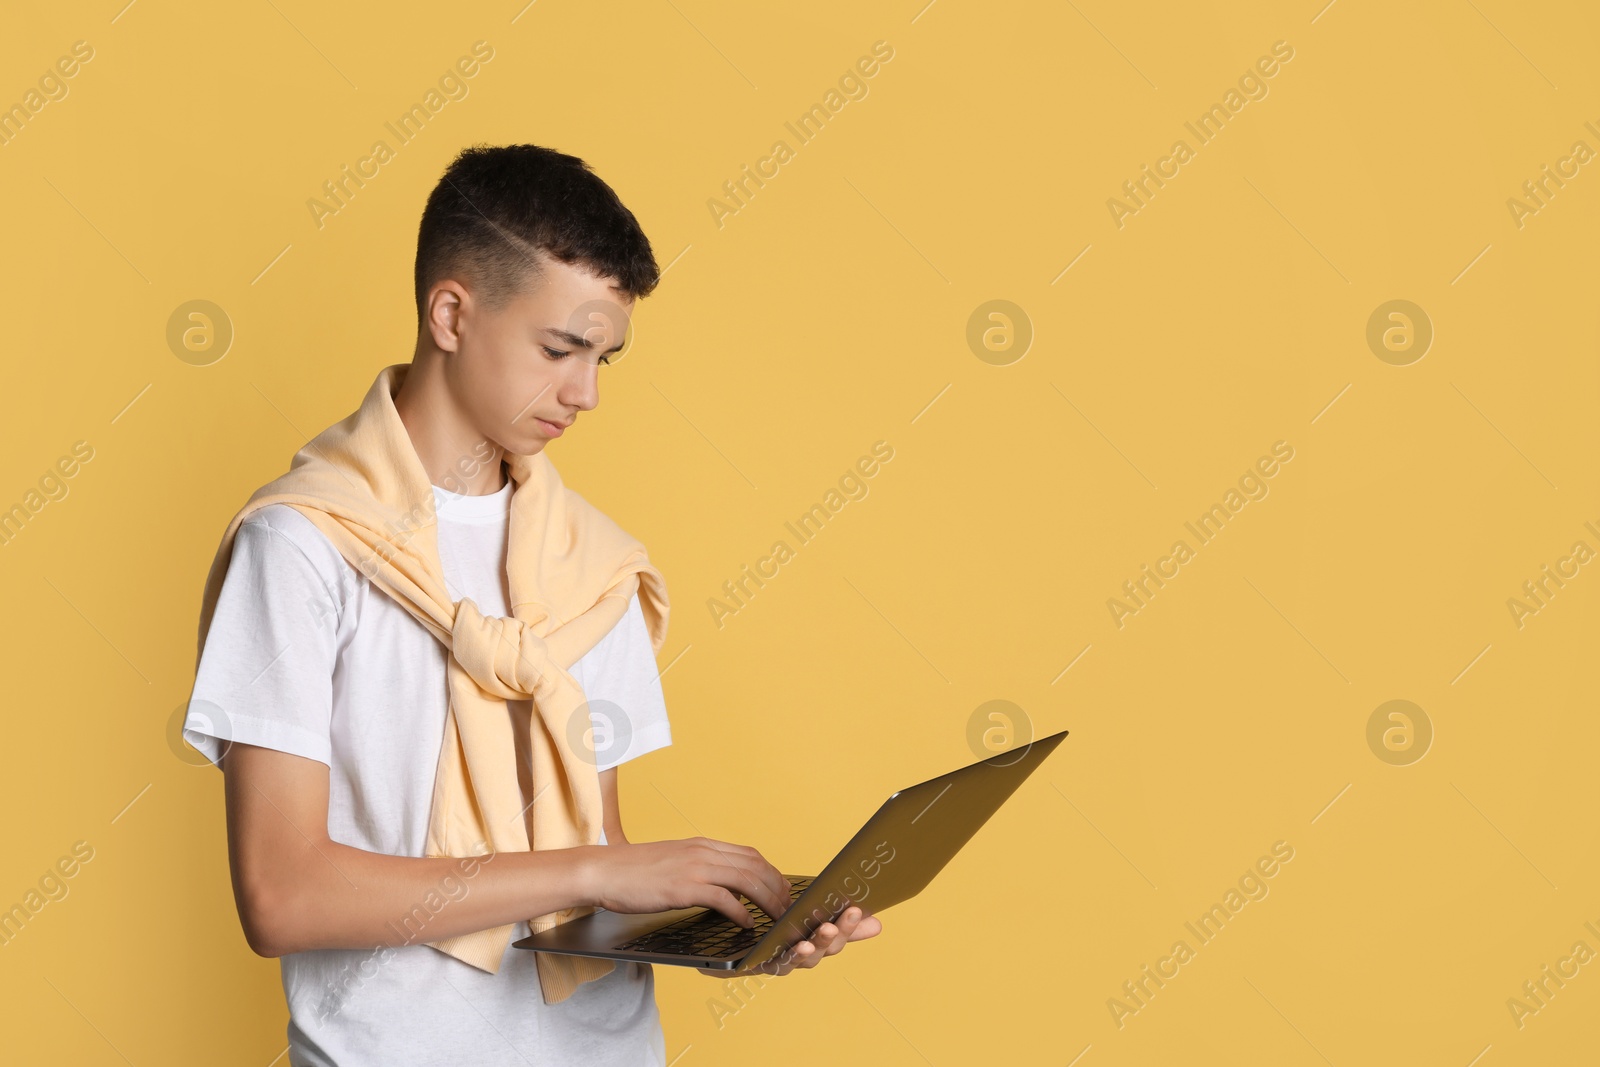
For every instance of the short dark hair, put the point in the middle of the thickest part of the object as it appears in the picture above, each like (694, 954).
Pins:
(496, 204)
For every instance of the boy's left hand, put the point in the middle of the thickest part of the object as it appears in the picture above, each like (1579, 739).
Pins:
(829, 939)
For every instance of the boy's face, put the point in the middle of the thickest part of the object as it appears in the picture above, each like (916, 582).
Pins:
(524, 371)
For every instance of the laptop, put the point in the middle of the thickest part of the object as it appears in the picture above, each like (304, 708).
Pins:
(890, 859)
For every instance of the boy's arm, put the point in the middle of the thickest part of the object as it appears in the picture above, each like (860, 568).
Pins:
(296, 889)
(613, 817)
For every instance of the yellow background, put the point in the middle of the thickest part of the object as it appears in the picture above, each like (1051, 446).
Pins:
(825, 315)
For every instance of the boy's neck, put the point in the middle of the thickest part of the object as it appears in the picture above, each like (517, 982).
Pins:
(452, 453)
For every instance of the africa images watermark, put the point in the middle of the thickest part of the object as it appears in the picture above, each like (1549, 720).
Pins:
(399, 531)
(852, 85)
(1251, 886)
(408, 929)
(52, 887)
(1252, 85)
(852, 485)
(451, 85)
(1538, 592)
(1252, 485)
(1541, 190)
(736, 992)
(1538, 992)
(52, 487)
(51, 87)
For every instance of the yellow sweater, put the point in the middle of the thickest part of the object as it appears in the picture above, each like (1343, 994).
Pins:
(571, 572)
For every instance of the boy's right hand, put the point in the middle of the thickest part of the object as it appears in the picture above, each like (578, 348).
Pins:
(688, 873)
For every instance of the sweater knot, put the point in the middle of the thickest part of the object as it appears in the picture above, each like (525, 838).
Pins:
(504, 656)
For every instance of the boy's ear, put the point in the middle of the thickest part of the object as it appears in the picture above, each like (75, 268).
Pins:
(445, 304)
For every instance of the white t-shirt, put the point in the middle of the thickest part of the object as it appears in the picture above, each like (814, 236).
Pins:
(307, 656)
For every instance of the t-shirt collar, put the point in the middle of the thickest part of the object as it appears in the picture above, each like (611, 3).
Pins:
(480, 509)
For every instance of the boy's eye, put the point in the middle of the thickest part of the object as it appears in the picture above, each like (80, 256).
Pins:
(554, 354)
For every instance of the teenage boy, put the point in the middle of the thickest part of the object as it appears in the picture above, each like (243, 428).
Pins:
(409, 639)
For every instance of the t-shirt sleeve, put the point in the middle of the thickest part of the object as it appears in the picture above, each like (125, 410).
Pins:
(626, 704)
(265, 674)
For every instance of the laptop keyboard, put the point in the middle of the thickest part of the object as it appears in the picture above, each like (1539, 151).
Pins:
(711, 933)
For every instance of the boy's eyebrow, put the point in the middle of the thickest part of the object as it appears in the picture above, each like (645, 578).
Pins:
(580, 342)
